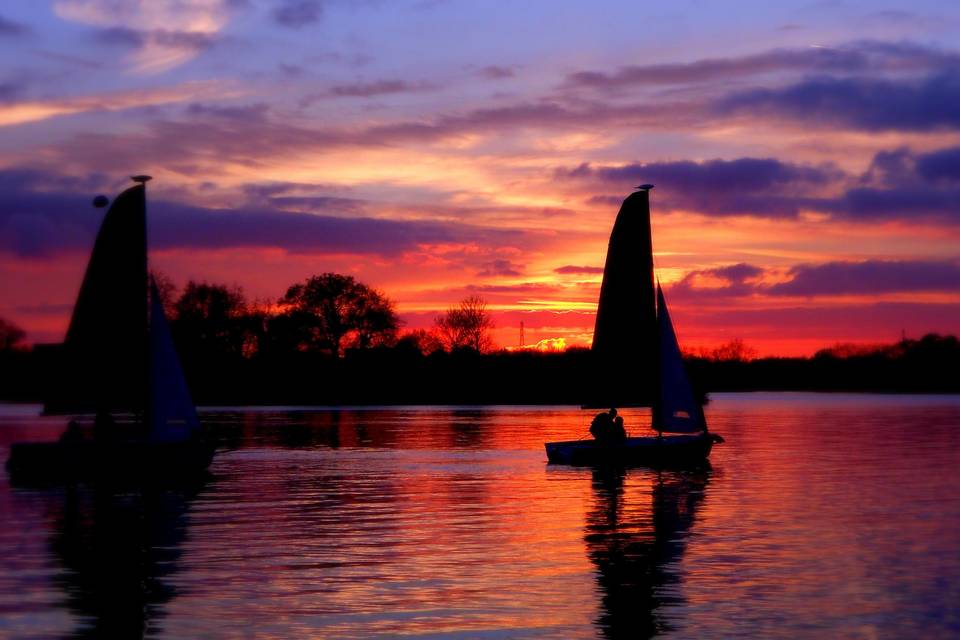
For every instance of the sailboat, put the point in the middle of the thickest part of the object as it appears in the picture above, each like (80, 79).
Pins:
(636, 357)
(118, 362)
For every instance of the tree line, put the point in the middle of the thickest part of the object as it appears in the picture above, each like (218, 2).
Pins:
(334, 340)
(329, 314)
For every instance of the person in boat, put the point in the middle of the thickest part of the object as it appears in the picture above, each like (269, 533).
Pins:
(602, 426)
(619, 433)
(72, 433)
(104, 427)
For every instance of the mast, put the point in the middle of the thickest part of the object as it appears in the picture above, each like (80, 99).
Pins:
(150, 289)
(624, 351)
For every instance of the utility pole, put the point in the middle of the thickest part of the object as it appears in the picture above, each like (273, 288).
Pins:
(521, 334)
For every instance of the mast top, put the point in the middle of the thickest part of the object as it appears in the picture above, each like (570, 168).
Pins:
(142, 179)
(644, 187)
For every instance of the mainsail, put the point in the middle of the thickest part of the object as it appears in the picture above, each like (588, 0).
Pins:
(172, 416)
(677, 410)
(624, 350)
(104, 363)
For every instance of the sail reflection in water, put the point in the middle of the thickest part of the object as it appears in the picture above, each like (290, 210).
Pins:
(636, 530)
(117, 551)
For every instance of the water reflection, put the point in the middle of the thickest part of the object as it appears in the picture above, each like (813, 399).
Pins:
(633, 540)
(448, 522)
(118, 550)
(457, 428)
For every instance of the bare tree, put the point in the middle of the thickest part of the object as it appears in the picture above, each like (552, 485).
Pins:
(466, 326)
(733, 351)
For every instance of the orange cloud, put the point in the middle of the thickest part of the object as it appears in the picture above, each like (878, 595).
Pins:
(24, 112)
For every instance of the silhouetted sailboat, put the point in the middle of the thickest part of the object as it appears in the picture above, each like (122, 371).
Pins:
(636, 358)
(119, 362)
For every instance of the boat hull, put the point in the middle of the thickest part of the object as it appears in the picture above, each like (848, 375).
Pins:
(653, 451)
(33, 462)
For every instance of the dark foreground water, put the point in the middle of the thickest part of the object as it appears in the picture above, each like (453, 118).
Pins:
(823, 516)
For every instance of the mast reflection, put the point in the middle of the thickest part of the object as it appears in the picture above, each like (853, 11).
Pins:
(633, 543)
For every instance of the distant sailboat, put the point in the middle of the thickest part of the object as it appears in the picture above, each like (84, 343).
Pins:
(119, 362)
(636, 357)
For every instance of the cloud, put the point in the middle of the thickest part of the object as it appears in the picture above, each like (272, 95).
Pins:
(168, 33)
(14, 113)
(295, 14)
(743, 186)
(45, 214)
(735, 272)
(251, 137)
(9, 28)
(188, 42)
(571, 269)
(903, 184)
(500, 267)
(864, 103)
(940, 166)
(741, 174)
(856, 57)
(9, 91)
(377, 88)
(319, 204)
(724, 282)
(495, 72)
(899, 184)
(869, 277)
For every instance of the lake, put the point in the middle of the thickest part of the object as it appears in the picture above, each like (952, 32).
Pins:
(822, 516)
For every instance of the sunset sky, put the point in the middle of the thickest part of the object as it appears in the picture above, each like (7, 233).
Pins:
(806, 155)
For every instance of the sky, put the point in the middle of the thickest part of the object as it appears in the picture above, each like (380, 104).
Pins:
(806, 156)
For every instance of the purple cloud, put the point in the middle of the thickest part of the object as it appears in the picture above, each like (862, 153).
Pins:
(9, 28)
(899, 184)
(827, 279)
(187, 40)
(735, 272)
(45, 214)
(734, 275)
(9, 91)
(744, 186)
(575, 270)
(298, 13)
(378, 88)
(870, 276)
(942, 165)
(742, 174)
(500, 267)
(863, 103)
(495, 72)
(902, 184)
(857, 57)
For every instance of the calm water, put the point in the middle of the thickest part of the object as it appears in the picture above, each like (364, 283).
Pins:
(823, 516)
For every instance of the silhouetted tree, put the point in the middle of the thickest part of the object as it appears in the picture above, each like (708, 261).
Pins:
(466, 326)
(332, 312)
(10, 335)
(212, 321)
(168, 292)
(734, 351)
(423, 340)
